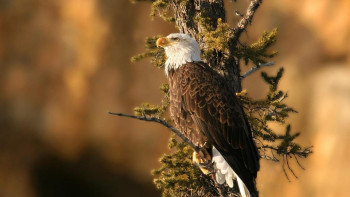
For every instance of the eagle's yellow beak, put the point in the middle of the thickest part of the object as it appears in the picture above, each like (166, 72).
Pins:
(163, 42)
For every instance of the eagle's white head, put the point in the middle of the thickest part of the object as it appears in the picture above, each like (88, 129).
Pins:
(179, 49)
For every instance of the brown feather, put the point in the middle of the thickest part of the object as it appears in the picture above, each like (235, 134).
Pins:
(212, 113)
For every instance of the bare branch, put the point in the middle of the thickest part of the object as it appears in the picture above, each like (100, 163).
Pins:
(255, 68)
(273, 156)
(290, 169)
(299, 163)
(162, 122)
(283, 97)
(284, 170)
(246, 20)
(238, 13)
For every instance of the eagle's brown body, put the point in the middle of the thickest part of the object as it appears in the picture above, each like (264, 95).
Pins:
(205, 109)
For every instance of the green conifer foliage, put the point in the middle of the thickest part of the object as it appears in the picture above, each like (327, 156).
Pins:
(258, 51)
(177, 176)
(156, 54)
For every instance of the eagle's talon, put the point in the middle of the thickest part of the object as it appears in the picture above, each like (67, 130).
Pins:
(206, 164)
(203, 160)
(207, 167)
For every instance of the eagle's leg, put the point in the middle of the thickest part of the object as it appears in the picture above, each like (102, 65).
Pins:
(202, 159)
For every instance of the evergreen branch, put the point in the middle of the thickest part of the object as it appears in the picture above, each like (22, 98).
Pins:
(246, 20)
(286, 155)
(303, 153)
(255, 68)
(162, 122)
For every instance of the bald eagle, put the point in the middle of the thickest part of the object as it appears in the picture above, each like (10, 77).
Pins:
(205, 109)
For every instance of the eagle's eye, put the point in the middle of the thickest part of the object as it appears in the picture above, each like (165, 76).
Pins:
(175, 39)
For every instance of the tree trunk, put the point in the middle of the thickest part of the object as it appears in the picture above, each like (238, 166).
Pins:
(187, 14)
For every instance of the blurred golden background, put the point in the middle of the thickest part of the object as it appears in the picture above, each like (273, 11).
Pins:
(65, 63)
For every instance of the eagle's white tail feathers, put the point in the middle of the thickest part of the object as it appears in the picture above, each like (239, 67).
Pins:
(242, 188)
(223, 172)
